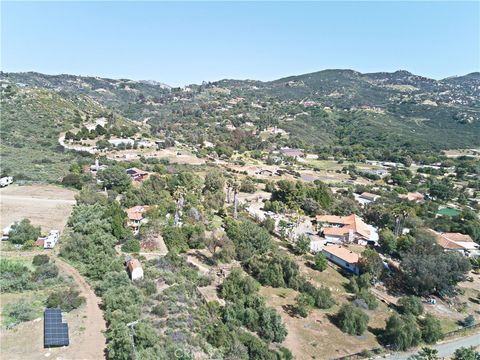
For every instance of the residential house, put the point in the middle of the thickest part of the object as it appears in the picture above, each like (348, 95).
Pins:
(136, 217)
(456, 242)
(338, 229)
(367, 198)
(137, 174)
(134, 268)
(342, 257)
(415, 196)
(295, 153)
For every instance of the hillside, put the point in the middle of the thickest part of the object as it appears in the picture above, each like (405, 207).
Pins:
(376, 112)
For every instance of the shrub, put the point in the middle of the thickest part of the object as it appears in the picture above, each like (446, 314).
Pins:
(40, 259)
(67, 300)
(131, 246)
(431, 329)
(20, 311)
(410, 305)
(352, 320)
(369, 299)
(23, 231)
(320, 262)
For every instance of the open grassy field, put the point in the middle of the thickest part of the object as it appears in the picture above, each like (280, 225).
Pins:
(45, 205)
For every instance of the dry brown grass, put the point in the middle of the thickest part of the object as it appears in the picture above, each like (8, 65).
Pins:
(46, 205)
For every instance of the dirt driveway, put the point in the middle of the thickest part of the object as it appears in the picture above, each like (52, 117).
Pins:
(46, 205)
(86, 328)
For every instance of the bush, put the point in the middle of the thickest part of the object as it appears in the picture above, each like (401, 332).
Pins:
(24, 231)
(40, 259)
(131, 246)
(431, 329)
(410, 305)
(401, 333)
(19, 312)
(369, 299)
(351, 320)
(320, 262)
(67, 300)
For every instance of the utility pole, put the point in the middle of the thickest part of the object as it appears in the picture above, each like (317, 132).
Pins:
(131, 330)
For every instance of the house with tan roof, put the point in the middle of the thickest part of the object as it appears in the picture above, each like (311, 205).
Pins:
(136, 217)
(342, 257)
(339, 229)
(456, 242)
(415, 196)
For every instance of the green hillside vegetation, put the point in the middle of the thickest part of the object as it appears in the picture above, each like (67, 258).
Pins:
(385, 116)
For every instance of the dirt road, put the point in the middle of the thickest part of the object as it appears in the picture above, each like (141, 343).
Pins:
(86, 326)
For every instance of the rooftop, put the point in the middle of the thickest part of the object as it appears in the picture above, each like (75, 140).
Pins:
(342, 253)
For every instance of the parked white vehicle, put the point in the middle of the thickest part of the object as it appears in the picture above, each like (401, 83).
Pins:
(5, 181)
(51, 239)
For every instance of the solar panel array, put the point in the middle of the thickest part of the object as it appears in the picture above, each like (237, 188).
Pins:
(55, 332)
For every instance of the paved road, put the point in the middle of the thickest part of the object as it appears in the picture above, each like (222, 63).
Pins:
(444, 349)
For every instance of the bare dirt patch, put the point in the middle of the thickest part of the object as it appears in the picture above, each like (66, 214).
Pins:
(46, 205)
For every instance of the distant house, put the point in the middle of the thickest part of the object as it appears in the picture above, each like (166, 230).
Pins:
(415, 196)
(51, 240)
(137, 174)
(265, 172)
(352, 228)
(134, 268)
(343, 257)
(367, 198)
(295, 153)
(456, 242)
(136, 217)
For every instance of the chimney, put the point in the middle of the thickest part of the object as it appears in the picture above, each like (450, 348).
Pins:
(97, 165)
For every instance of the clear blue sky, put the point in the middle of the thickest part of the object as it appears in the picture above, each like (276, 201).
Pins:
(183, 42)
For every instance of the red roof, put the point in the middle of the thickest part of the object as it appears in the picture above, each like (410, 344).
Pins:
(349, 223)
(342, 253)
(136, 212)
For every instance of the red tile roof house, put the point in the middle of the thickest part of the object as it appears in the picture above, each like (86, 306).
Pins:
(137, 174)
(136, 217)
(342, 257)
(456, 242)
(338, 229)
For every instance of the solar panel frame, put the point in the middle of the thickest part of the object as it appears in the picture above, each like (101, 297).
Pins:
(55, 332)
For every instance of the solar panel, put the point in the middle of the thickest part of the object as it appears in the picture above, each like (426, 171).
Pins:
(55, 332)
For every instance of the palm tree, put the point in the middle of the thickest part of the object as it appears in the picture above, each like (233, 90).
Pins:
(179, 203)
(236, 187)
(230, 183)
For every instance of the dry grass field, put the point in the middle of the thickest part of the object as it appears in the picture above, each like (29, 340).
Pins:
(46, 205)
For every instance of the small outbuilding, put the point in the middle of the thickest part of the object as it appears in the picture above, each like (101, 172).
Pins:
(134, 268)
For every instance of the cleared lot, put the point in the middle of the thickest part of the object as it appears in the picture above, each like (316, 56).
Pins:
(46, 205)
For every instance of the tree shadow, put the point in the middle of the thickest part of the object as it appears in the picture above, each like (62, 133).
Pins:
(290, 310)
